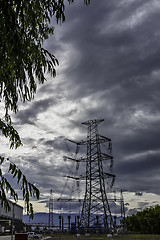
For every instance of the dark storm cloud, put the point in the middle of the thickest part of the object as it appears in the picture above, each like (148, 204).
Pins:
(57, 142)
(109, 56)
(31, 142)
(114, 61)
(141, 140)
(45, 173)
(138, 165)
(133, 211)
(142, 204)
(124, 58)
(29, 115)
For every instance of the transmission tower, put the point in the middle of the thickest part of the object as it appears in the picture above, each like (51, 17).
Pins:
(50, 220)
(96, 209)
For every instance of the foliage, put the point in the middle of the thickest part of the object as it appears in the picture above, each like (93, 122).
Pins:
(27, 188)
(146, 221)
(24, 26)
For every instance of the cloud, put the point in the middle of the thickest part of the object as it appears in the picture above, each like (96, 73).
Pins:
(30, 114)
(109, 55)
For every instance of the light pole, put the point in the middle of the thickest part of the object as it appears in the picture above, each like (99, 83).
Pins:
(13, 204)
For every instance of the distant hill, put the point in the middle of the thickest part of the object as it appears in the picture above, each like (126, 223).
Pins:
(43, 218)
(38, 218)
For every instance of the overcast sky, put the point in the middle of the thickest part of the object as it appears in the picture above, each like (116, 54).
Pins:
(109, 55)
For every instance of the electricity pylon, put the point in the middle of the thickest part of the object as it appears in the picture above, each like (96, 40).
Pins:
(96, 209)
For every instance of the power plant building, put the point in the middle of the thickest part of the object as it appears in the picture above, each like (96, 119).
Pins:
(14, 216)
(16, 210)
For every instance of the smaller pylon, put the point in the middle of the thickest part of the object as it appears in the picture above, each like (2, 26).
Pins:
(123, 213)
(50, 220)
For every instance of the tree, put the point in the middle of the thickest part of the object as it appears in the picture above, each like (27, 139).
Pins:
(146, 221)
(24, 26)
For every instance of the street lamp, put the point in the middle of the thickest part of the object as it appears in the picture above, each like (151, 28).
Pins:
(13, 204)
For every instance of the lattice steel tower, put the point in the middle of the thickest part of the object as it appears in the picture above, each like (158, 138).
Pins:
(99, 161)
(95, 199)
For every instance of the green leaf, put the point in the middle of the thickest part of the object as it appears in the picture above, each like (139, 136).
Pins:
(1, 160)
(19, 175)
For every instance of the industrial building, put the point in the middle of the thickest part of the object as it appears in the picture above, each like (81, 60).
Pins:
(12, 217)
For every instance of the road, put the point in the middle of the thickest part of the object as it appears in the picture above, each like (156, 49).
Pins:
(6, 237)
(9, 238)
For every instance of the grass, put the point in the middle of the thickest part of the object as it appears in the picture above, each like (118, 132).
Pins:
(104, 237)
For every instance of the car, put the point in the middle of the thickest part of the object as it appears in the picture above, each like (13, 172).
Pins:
(33, 235)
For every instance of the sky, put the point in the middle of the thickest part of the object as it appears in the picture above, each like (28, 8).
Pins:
(109, 67)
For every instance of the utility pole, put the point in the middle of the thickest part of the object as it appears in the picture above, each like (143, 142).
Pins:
(13, 215)
(50, 220)
(123, 213)
(96, 209)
